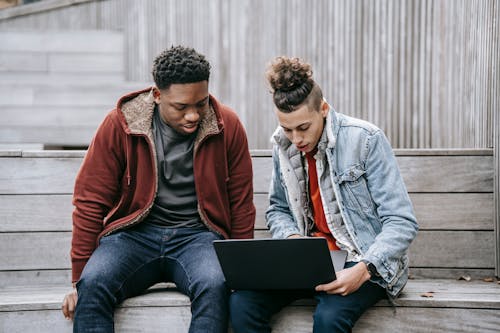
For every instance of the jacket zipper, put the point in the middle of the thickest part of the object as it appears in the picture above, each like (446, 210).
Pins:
(148, 207)
(203, 218)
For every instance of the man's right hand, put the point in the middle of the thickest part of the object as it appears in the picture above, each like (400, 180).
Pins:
(69, 304)
(294, 236)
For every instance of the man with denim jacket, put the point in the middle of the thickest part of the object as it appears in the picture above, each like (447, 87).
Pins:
(335, 177)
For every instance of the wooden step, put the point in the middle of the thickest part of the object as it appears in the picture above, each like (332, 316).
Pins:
(455, 213)
(456, 306)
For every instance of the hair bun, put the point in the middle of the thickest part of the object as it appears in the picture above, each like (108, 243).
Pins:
(287, 74)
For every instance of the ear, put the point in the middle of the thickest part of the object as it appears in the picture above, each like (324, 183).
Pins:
(156, 95)
(325, 107)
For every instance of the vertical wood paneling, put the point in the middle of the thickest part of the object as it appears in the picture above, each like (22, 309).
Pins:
(422, 70)
(494, 88)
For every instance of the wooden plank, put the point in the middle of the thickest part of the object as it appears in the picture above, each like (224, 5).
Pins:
(19, 147)
(88, 62)
(467, 307)
(447, 294)
(453, 249)
(453, 211)
(50, 116)
(38, 7)
(77, 154)
(35, 321)
(450, 273)
(440, 249)
(429, 174)
(262, 173)
(48, 96)
(463, 179)
(58, 79)
(290, 320)
(443, 152)
(35, 251)
(446, 249)
(46, 278)
(447, 173)
(23, 62)
(22, 96)
(22, 213)
(10, 152)
(62, 41)
(298, 320)
(440, 211)
(38, 175)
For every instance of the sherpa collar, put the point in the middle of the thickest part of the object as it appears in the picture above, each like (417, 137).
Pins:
(138, 113)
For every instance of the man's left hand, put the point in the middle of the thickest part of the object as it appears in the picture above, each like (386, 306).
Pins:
(348, 280)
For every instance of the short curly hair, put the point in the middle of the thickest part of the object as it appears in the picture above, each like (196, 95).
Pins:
(179, 64)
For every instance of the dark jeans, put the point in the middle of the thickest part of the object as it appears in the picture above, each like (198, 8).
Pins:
(251, 311)
(128, 262)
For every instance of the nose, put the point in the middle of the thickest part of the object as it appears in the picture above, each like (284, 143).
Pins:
(192, 116)
(296, 138)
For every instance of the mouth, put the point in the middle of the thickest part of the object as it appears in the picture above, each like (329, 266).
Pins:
(302, 148)
(191, 127)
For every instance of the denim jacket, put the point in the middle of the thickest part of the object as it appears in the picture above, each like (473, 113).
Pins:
(370, 191)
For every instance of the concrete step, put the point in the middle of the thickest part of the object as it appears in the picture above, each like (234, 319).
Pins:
(455, 306)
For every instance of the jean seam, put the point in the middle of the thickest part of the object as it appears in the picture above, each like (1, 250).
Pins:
(131, 274)
(185, 272)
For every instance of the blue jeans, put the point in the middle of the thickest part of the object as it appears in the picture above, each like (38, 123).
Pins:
(126, 263)
(251, 311)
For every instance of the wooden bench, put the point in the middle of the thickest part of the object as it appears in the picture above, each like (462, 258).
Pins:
(452, 191)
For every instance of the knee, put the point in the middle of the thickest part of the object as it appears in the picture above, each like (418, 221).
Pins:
(212, 282)
(93, 284)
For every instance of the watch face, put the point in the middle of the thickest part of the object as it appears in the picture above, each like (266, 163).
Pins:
(372, 269)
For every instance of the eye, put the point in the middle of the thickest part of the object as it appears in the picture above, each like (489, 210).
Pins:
(304, 128)
(180, 107)
(201, 104)
(287, 130)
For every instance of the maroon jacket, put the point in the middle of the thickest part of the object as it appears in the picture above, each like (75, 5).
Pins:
(117, 182)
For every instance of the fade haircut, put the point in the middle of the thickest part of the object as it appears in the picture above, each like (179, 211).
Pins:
(292, 85)
(179, 64)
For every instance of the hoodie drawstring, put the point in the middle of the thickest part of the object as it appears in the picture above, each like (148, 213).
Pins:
(127, 160)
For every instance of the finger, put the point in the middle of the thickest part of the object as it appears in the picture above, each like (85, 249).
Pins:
(72, 305)
(326, 287)
(64, 308)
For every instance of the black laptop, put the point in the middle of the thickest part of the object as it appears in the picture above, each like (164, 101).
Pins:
(262, 264)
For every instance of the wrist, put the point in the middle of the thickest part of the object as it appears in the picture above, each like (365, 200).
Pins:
(371, 269)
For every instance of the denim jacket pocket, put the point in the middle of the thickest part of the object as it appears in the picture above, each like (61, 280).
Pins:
(355, 189)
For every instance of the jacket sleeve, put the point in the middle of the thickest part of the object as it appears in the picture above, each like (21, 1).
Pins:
(96, 190)
(279, 218)
(240, 184)
(394, 208)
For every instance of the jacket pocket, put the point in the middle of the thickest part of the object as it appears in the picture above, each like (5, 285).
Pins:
(355, 189)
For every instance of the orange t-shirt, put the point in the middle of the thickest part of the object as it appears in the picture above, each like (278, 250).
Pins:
(318, 212)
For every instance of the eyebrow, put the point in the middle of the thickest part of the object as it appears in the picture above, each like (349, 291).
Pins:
(286, 128)
(185, 104)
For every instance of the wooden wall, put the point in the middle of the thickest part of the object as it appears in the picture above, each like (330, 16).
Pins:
(425, 71)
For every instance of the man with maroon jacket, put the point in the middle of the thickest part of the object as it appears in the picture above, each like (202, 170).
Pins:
(167, 172)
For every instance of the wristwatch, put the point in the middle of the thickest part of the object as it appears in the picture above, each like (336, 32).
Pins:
(371, 268)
